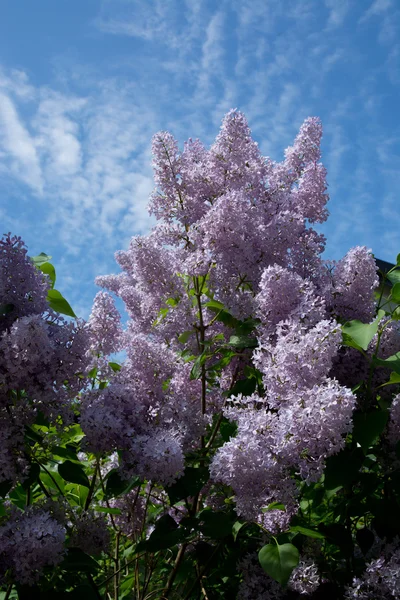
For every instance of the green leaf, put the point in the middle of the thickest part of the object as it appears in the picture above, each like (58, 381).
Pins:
(214, 305)
(5, 309)
(67, 452)
(215, 525)
(115, 366)
(278, 561)
(83, 591)
(394, 276)
(5, 487)
(236, 527)
(360, 333)
(108, 511)
(59, 304)
(246, 387)
(183, 338)
(307, 532)
(40, 259)
(243, 341)
(165, 535)
(49, 270)
(392, 363)
(116, 486)
(221, 314)
(172, 302)
(274, 506)
(77, 560)
(398, 260)
(73, 473)
(196, 371)
(34, 472)
(394, 377)
(191, 482)
(365, 538)
(227, 429)
(343, 468)
(395, 293)
(368, 427)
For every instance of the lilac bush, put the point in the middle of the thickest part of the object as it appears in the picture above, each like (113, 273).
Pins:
(248, 445)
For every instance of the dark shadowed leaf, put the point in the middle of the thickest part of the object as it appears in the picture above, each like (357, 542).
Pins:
(368, 427)
(73, 473)
(191, 482)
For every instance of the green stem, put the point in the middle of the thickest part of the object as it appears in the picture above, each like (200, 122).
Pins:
(91, 489)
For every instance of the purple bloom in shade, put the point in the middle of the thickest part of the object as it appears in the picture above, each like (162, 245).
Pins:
(381, 579)
(31, 541)
(105, 325)
(350, 294)
(305, 578)
(90, 533)
(394, 422)
(156, 456)
(256, 584)
(13, 463)
(131, 519)
(22, 285)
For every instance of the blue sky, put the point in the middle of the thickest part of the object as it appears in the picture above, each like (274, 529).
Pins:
(85, 85)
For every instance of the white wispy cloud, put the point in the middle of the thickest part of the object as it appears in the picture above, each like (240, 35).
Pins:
(378, 7)
(17, 147)
(338, 10)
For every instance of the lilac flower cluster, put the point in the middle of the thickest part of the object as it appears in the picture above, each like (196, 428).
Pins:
(29, 542)
(43, 357)
(257, 585)
(381, 578)
(241, 223)
(90, 533)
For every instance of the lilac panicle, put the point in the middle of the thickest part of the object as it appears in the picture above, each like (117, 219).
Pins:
(31, 541)
(354, 279)
(105, 325)
(22, 285)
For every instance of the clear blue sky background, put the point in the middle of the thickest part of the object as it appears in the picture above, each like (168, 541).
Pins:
(85, 84)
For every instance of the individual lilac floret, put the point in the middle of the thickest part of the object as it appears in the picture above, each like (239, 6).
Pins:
(354, 279)
(31, 541)
(105, 325)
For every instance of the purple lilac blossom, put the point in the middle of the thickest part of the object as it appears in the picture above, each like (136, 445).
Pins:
(351, 292)
(90, 533)
(241, 220)
(381, 579)
(30, 541)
